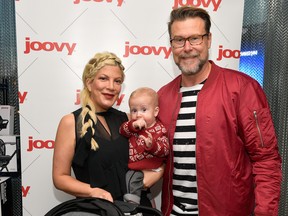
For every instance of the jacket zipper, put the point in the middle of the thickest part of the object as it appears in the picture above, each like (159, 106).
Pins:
(258, 128)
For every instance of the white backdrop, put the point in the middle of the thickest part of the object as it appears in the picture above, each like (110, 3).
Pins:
(55, 39)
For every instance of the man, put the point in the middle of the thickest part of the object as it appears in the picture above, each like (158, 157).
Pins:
(224, 158)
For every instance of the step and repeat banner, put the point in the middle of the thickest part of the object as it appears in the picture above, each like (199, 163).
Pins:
(55, 39)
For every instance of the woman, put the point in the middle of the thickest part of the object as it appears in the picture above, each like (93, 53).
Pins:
(88, 139)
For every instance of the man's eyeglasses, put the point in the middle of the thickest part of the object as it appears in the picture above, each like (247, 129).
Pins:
(178, 42)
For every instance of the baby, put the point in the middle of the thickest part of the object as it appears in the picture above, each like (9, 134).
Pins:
(148, 142)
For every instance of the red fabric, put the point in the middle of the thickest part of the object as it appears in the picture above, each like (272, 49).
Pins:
(237, 158)
(141, 157)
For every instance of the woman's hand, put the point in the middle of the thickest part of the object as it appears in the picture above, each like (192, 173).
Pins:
(151, 177)
(100, 193)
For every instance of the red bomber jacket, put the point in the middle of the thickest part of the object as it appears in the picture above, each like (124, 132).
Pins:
(237, 160)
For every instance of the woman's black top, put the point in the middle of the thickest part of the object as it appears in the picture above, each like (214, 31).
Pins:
(106, 167)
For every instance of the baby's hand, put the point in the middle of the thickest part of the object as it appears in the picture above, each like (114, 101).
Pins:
(147, 140)
(139, 124)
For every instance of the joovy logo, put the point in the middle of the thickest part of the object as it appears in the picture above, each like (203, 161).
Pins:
(25, 190)
(227, 53)
(48, 46)
(120, 2)
(198, 3)
(39, 144)
(22, 96)
(146, 50)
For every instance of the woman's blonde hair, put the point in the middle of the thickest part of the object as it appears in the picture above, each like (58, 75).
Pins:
(87, 118)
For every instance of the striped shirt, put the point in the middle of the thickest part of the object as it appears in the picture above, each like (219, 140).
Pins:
(184, 176)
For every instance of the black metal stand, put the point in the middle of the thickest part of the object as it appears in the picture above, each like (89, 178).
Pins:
(4, 91)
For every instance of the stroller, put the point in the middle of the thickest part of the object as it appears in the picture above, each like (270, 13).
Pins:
(3, 123)
(100, 207)
(4, 158)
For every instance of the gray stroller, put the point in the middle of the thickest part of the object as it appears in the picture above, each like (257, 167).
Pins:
(96, 206)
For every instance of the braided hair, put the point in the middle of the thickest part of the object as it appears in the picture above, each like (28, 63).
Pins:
(87, 118)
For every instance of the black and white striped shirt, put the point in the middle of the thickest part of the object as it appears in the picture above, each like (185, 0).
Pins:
(184, 176)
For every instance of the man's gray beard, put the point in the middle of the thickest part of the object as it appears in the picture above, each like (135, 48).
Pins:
(191, 71)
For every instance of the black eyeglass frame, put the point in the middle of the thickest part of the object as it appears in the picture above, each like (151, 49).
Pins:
(188, 39)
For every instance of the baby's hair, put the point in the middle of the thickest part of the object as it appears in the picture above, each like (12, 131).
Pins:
(87, 119)
(145, 91)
